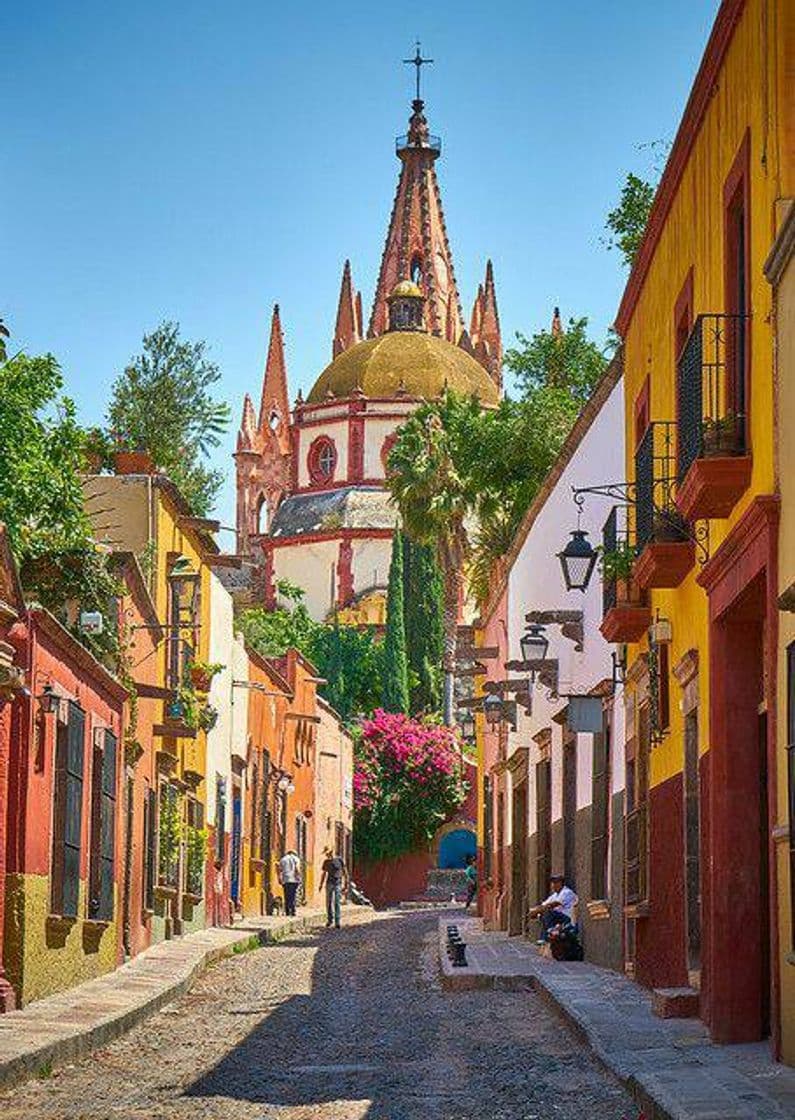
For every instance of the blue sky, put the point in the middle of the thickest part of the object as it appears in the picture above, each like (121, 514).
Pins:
(200, 161)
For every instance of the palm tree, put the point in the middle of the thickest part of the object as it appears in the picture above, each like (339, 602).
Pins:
(436, 499)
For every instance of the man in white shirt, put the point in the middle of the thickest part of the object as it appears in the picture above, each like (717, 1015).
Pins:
(290, 879)
(558, 907)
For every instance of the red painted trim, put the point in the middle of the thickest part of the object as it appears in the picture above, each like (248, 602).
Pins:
(345, 573)
(642, 411)
(355, 448)
(333, 535)
(342, 417)
(760, 517)
(701, 95)
(338, 484)
(737, 195)
(683, 314)
(366, 403)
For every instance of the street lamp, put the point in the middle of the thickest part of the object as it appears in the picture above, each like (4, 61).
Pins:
(467, 725)
(577, 560)
(47, 700)
(184, 580)
(534, 643)
(492, 709)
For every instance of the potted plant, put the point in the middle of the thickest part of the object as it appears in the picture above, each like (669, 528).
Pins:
(202, 673)
(616, 563)
(668, 525)
(721, 438)
(169, 836)
(208, 717)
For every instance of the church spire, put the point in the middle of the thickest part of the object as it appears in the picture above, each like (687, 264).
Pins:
(347, 331)
(274, 409)
(247, 435)
(557, 325)
(485, 328)
(416, 245)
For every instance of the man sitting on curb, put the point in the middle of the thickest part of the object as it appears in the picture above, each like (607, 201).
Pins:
(557, 909)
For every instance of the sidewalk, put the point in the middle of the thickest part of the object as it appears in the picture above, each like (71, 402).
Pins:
(670, 1065)
(66, 1027)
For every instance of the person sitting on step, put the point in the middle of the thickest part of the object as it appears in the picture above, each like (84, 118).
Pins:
(557, 908)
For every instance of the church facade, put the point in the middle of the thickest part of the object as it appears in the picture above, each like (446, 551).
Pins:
(312, 504)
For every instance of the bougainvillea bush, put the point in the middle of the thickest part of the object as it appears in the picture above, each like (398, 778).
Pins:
(407, 781)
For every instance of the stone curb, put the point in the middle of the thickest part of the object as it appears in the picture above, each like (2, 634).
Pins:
(647, 1087)
(131, 992)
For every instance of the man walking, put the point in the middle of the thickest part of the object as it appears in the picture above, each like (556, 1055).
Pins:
(290, 879)
(335, 877)
(472, 880)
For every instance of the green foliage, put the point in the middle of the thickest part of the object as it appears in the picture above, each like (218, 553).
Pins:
(349, 658)
(617, 563)
(163, 403)
(395, 680)
(569, 363)
(626, 223)
(169, 835)
(42, 451)
(423, 608)
(195, 858)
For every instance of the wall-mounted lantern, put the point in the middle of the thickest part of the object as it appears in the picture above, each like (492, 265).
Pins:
(534, 643)
(48, 700)
(492, 709)
(578, 560)
(467, 725)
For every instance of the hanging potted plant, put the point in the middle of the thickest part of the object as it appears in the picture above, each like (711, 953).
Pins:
(202, 673)
(208, 717)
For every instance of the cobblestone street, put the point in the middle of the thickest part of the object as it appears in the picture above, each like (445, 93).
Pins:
(340, 1025)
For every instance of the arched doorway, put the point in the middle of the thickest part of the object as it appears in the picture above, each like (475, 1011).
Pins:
(455, 846)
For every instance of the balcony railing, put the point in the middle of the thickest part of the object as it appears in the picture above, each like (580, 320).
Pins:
(656, 515)
(711, 390)
(432, 144)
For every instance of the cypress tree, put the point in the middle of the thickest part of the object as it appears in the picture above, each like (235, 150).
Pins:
(424, 614)
(395, 681)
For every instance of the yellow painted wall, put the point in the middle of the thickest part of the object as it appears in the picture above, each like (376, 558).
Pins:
(44, 956)
(785, 324)
(749, 95)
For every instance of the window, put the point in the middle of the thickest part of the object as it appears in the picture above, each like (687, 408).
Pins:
(168, 834)
(322, 460)
(683, 316)
(791, 774)
(600, 812)
(68, 812)
(416, 270)
(736, 237)
(636, 850)
(150, 848)
(101, 876)
(570, 805)
(663, 689)
(543, 825)
(262, 514)
(642, 412)
(265, 830)
(195, 848)
(220, 819)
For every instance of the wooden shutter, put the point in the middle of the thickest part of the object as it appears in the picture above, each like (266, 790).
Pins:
(543, 825)
(95, 827)
(600, 811)
(107, 845)
(791, 775)
(69, 814)
(150, 848)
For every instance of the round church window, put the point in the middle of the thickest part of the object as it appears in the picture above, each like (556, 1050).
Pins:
(322, 460)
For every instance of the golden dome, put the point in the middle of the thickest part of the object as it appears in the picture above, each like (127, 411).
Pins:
(410, 363)
(406, 288)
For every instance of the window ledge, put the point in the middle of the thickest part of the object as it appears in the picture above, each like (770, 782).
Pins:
(165, 892)
(637, 910)
(598, 909)
(99, 924)
(60, 920)
(194, 899)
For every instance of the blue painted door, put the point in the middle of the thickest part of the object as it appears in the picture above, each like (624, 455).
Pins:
(455, 847)
(237, 822)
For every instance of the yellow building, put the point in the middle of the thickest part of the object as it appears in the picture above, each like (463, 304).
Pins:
(145, 515)
(699, 614)
(780, 271)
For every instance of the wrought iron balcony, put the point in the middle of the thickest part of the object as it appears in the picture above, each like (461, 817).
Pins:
(431, 144)
(656, 515)
(609, 545)
(711, 390)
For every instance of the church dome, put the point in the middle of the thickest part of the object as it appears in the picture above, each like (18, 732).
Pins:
(410, 363)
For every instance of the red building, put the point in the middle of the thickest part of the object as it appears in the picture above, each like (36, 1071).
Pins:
(64, 827)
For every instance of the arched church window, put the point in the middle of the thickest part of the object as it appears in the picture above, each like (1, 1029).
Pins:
(274, 420)
(262, 515)
(322, 460)
(416, 270)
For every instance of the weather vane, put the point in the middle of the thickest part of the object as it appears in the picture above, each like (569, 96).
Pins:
(419, 62)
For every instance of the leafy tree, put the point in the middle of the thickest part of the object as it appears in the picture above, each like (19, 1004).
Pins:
(626, 223)
(567, 361)
(349, 658)
(395, 683)
(435, 492)
(423, 598)
(163, 403)
(41, 499)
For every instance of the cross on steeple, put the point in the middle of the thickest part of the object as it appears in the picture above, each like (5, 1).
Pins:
(419, 62)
